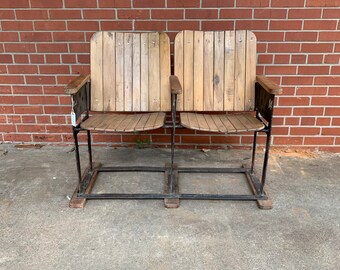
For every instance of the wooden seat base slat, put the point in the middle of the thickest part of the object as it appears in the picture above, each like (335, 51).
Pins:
(124, 122)
(223, 123)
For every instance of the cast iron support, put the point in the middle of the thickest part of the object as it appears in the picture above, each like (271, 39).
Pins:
(75, 136)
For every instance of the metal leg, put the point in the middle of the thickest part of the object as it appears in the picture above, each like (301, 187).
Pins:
(265, 162)
(254, 152)
(89, 149)
(75, 136)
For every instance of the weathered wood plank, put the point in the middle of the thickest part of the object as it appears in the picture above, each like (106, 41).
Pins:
(74, 86)
(164, 53)
(179, 65)
(240, 70)
(144, 87)
(188, 84)
(198, 70)
(136, 73)
(208, 103)
(109, 71)
(119, 71)
(97, 72)
(128, 72)
(154, 78)
(229, 71)
(218, 78)
(249, 98)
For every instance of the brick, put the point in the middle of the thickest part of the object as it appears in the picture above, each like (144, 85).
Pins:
(315, 59)
(217, 25)
(322, 3)
(333, 13)
(269, 36)
(21, 59)
(134, 14)
(251, 25)
(280, 70)
(335, 121)
(323, 121)
(11, 79)
(17, 137)
(50, 25)
(68, 58)
(31, 14)
(234, 13)
(28, 118)
(57, 109)
(217, 3)
(114, 3)
(316, 48)
(265, 59)
(13, 100)
(4, 89)
(37, 58)
(294, 101)
(332, 111)
(14, 4)
(307, 121)
(8, 37)
(31, 128)
(16, 47)
(270, 13)
(334, 91)
(195, 139)
(311, 91)
(83, 58)
(22, 69)
(64, 14)
(40, 79)
(83, 25)
(331, 131)
(167, 13)
(43, 100)
(68, 36)
(28, 109)
(6, 110)
(54, 69)
(8, 128)
(287, 3)
(202, 14)
(318, 140)
(182, 3)
(46, 138)
(305, 131)
(35, 36)
(308, 111)
(282, 59)
(50, 90)
(325, 101)
(6, 58)
(116, 25)
(285, 25)
(327, 80)
(304, 13)
(150, 25)
(320, 25)
(301, 36)
(52, 47)
(287, 140)
(307, 70)
(298, 59)
(80, 69)
(52, 58)
(17, 25)
(180, 25)
(297, 80)
(329, 36)
(332, 59)
(284, 47)
(56, 119)
(26, 90)
(99, 14)
(7, 14)
(225, 139)
(149, 4)
(46, 4)
(80, 4)
(252, 3)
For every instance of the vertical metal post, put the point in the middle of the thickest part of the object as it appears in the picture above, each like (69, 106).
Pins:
(75, 136)
(254, 152)
(266, 156)
(89, 149)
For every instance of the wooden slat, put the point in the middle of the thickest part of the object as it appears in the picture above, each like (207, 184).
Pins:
(240, 69)
(128, 72)
(144, 88)
(228, 125)
(136, 71)
(134, 121)
(97, 72)
(188, 84)
(239, 127)
(193, 121)
(143, 120)
(159, 120)
(218, 71)
(154, 78)
(218, 123)
(203, 125)
(164, 53)
(119, 72)
(179, 66)
(250, 72)
(109, 71)
(198, 70)
(184, 119)
(208, 103)
(151, 121)
(107, 121)
(126, 122)
(210, 122)
(229, 70)
(268, 85)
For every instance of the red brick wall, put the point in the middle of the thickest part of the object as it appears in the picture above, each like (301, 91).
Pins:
(44, 44)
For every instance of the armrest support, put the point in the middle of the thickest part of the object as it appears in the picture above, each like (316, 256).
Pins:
(268, 85)
(175, 85)
(74, 86)
(265, 91)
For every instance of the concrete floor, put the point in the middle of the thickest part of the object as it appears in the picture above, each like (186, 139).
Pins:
(39, 231)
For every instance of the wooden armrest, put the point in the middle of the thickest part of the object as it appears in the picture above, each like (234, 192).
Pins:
(268, 85)
(175, 85)
(74, 86)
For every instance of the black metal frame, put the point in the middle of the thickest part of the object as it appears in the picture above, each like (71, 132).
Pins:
(171, 170)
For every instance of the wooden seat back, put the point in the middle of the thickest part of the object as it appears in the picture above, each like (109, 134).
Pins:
(130, 72)
(217, 70)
